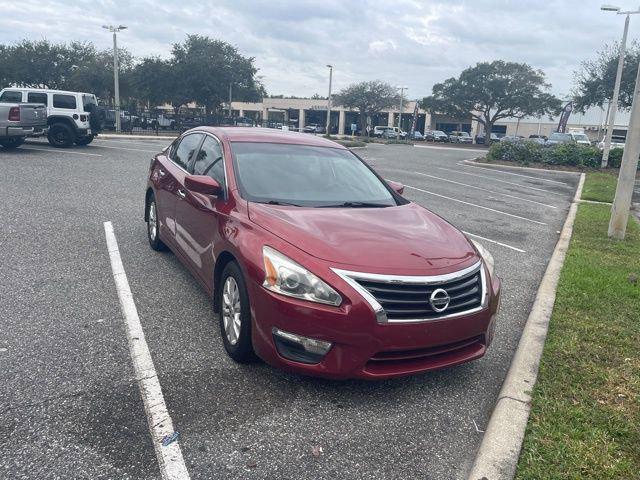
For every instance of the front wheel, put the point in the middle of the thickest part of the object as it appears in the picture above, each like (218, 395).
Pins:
(12, 142)
(235, 314)
(61, 135)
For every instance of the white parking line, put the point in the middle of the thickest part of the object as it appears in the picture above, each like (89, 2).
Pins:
(514, 174)
(131, 149)
(473, 186)
(477, 206)
(494, 241)
(169, 457)
(65, 151)
(501, 181)
(455, 149)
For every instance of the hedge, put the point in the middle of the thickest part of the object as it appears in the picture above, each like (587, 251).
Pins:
(572, 154)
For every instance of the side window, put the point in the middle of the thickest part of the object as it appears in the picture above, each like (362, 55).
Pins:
(9, 96)
(186, 149)
(37, 97)
(209, 161)
(64, 101)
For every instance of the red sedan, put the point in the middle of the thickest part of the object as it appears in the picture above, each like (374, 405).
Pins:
(313, 261)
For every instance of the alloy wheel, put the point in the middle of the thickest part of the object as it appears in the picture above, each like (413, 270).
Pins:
(152, 224)
(231, 310)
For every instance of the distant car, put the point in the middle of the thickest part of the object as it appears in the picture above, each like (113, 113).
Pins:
(460, 137)
(394, 132)
(417, 136)
(540, 139)
(21, 120)
(379, 130)
(480, 139)
(617, 141)
(436, 136)
(580, 138)
(511, 138)
(557, 138)
(311, 128)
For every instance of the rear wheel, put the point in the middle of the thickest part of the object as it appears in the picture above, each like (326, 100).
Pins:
(235, 314)
(86, 140)
(11, 143)
(61, 135)
(153, 226)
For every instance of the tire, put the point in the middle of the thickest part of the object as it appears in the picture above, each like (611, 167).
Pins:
(86, 140)
(153, 225)
(61, 135)
(12, 142)
(234, 308)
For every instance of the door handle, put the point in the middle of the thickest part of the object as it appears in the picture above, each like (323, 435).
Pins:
(182, 193)
(161, 172)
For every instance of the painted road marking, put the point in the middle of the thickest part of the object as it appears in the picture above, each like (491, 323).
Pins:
(515, 174)
(477, 206)
(131, 149)
(52, 150)
(171, 462)
(494, 241)
(501, 181)
(474, 186)
(456, 149)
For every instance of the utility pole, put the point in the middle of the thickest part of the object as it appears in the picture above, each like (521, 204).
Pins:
(116, 81)
(628, 168)
(230, 84)
(328, 126)
(402, 89)
(613, 108)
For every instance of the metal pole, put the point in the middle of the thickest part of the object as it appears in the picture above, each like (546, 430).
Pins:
(116, 82)
(614, 100)
(628, 168)
(400, 114)
(328, 126)
(230, 100)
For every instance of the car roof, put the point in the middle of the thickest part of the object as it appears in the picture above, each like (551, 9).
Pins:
(45, 90)
(267, 135)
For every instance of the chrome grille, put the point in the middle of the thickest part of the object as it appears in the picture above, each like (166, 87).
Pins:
(407, 299)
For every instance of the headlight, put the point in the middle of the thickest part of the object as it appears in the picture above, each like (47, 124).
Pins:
(486, 256)
(286, 277)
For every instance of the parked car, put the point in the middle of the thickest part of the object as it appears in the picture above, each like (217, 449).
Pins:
(460, 137)
(417, 136)
(312, 128)
(511, 138)
(72, 117)
(436, 136)
(480, 138)
(580, 138)
(539, 139)
(163, 121)
(19, 121)
(557, 137)
(283, 232)
(394, 133)
(617, 141)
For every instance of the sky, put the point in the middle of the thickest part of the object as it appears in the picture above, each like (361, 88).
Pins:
(404, 42)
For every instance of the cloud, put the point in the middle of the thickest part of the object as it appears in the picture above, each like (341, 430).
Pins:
(414, 43)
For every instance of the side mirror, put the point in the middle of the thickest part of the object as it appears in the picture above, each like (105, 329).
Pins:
(398, 187)
(202, 184)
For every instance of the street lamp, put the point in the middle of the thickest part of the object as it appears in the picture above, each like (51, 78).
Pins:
(616, 89)
(402, 89)
(116, 83)
(327, 132)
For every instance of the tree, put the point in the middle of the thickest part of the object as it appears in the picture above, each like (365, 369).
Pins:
(207, 67)
(596, 78)
(369, 98)
(489, 92)
(152, 81)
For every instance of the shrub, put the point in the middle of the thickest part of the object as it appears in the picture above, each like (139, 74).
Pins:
(615, 157)
(572, 154)
(523, 152)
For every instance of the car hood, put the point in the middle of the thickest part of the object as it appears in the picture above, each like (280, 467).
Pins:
(406, 239)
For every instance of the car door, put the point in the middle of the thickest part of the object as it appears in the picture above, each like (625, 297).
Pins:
(198, 216)
(168, 178)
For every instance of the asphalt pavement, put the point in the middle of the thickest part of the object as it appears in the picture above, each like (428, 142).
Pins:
(71, 406)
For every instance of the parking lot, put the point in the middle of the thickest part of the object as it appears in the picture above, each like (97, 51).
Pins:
(71, 408)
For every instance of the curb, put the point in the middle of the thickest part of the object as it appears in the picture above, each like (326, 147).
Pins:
(514, 167)
(134, 137)
(497, 457)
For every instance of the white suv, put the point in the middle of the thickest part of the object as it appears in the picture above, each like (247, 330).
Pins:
(73, 117)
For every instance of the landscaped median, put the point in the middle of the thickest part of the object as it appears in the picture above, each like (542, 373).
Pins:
(585, 416)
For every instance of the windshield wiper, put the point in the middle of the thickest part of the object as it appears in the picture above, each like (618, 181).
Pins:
(355, 205)
(278, 202)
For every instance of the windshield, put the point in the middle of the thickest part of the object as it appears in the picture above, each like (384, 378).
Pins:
(580, 137)
(307, 176)
(560, 136)
(439, 132)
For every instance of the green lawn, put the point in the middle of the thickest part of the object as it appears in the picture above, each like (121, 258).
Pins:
(600, 187)
(585, 417)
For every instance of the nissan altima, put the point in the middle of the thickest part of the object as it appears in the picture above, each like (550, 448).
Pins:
(315, 263)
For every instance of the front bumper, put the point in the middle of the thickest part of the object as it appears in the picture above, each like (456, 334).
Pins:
(364, 348)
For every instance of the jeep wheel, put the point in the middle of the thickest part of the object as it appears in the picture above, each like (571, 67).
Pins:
(86, 140)
(61, 135)
(11, 143)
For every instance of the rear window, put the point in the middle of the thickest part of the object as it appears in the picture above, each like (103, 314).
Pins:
(11, 97)
(64, 101)
(37, 97)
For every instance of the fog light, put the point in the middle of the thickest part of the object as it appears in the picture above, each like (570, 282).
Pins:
(298, 348)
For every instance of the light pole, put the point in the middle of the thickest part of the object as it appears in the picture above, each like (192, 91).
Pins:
(402, 89)
(616, 89)
(628, 168)
(116, 83)
(327, 132)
